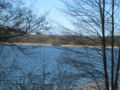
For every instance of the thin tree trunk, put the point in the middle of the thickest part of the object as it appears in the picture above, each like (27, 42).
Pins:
(102, 12)
(117, 71)
(112, 49)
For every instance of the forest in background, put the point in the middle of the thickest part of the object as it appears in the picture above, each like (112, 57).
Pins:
(19, 36)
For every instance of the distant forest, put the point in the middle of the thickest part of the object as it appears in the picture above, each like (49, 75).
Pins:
(18, 36)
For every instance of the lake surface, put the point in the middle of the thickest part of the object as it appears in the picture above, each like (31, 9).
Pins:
(25, 60)
(31, 58)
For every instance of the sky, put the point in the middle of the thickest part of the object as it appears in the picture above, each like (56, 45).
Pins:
(51, 6)
(55, 15)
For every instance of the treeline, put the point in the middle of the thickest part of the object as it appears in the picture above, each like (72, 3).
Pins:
(8, 34)
(63, 39)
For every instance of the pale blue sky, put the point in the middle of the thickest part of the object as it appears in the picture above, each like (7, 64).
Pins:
(41, 6)
(55, 15)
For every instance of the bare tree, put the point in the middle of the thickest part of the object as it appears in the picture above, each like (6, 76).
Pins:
(17, 20)
(100, 18)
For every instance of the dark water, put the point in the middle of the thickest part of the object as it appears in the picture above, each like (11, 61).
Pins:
(27, 60)
(31, 58)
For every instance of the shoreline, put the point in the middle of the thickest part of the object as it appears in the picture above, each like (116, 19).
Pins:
(41, 44)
